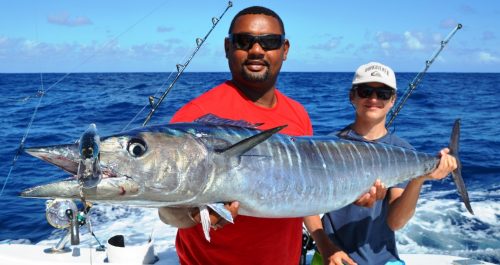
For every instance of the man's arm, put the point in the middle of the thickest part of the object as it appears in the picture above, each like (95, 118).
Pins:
(177, 217)
(402, 202)
(331, 254)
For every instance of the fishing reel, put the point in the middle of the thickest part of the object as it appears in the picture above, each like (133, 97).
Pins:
(64, 214)
(60, 213)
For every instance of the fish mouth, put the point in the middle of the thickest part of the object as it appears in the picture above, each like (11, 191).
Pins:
(64, 156)
(67, 157)
(108, 189)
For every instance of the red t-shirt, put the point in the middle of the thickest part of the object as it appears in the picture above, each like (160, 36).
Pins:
(249, 240)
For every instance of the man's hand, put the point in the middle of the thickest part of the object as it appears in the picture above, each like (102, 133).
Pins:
(376, 192)
(215, 219)
(337, 257)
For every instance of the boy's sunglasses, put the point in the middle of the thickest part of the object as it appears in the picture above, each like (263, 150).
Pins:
(245, 41)
(365, 91)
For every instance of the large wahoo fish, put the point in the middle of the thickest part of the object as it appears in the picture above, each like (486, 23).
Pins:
(214, 160)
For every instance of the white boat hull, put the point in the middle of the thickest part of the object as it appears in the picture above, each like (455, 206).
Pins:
(17, 254)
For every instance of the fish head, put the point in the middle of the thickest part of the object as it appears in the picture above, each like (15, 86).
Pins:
(164, 166)
(162, 161)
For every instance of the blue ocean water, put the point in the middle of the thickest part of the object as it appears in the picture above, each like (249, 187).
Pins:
(112, 100)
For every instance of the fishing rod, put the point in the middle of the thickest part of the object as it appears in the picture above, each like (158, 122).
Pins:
(418, 78)
(88, 174)
(182, 67)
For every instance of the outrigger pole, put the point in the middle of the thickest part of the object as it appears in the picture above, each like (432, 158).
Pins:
(413, 85)
(181, 67)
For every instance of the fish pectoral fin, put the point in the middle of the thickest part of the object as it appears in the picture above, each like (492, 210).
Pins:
(205, 221)
(244, 145)
(222, 211)
(205, 216)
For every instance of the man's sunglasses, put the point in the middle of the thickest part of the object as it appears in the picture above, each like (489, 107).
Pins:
(365, 91)
(244, 41)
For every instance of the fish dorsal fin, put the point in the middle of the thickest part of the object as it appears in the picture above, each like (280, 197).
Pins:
(216, 120)
(244, 145)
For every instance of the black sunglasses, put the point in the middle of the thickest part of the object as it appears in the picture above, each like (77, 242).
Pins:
(365, 91)
(245, 41)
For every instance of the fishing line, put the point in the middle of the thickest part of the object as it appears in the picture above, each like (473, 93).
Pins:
(146, 105)
(41, 92)
(23, 139)
(107, 44)
(157, 92)
(180, 70)
(182, 67)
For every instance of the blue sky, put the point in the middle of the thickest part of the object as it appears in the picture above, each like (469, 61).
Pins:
(142, 36)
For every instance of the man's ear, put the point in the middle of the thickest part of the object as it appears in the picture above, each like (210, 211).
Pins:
(286, 46)
(226, 46)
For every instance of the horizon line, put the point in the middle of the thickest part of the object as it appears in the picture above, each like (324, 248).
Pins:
(195, 72)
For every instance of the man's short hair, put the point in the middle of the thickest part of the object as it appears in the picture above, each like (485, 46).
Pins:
(257, 10)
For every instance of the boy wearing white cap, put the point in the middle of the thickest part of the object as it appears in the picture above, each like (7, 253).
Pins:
(363, 232)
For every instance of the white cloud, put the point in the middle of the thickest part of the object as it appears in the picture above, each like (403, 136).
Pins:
(412, 42)
(64, 19)
(30, 44)
(330, 44)
(387, 41)
(487, 57)
(26, 54)
(383, 36)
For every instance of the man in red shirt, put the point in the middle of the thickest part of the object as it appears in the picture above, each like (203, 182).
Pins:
(255, 49)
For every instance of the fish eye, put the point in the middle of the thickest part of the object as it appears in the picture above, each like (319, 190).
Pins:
(136, 147)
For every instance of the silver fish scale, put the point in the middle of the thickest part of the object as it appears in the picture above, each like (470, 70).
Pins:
(284, 176)
(289, 177)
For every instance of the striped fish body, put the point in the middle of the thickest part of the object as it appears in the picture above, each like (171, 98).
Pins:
(270, 174)
(288, 176)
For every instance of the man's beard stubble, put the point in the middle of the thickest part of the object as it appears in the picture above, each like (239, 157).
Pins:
(255, 77)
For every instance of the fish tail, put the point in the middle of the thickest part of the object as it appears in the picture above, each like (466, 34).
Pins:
(457, 173)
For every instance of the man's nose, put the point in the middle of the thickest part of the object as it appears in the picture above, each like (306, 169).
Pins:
(256, 48)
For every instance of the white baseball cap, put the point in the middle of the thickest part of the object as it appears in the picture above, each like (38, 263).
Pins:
(375, 72)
